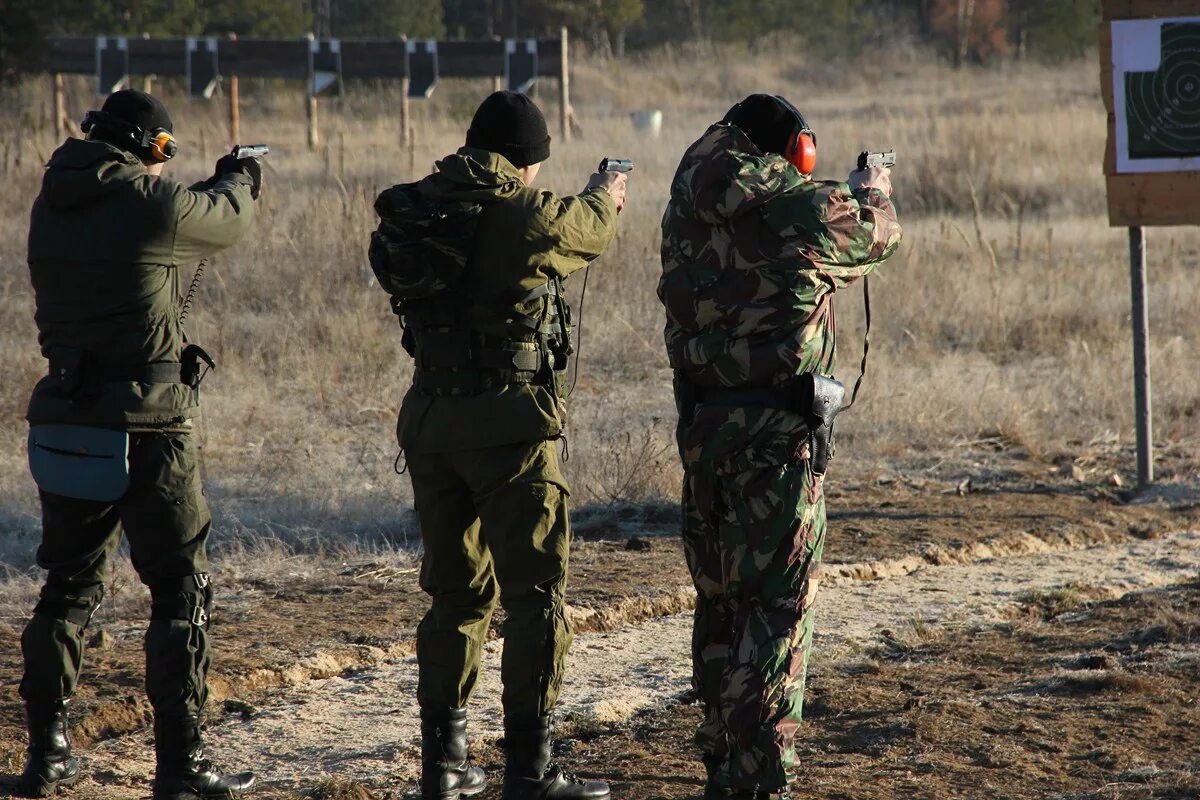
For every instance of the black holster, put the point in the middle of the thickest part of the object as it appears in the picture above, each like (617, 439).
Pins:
(686, 398)
(192, 358)
(821, 400)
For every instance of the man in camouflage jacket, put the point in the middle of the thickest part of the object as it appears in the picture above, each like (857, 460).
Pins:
(752, 254)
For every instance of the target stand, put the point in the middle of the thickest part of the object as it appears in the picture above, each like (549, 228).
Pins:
(1150, 79)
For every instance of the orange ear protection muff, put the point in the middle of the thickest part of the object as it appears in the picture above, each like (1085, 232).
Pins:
(802, 147)
(157, 145)
(163, 146)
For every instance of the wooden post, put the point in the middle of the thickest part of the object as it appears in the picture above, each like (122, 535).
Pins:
(564, 90)
(405, 110)
(235, 111)
(405, 132)
(497, 84)
(1141, 358)
(148, 84)
(314, 137)
(60, 106)
(235, 105)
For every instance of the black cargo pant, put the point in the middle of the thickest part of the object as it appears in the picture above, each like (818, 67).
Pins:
(166, 519)
(494, 525)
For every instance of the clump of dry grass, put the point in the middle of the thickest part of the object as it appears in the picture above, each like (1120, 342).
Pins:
(1004, 310)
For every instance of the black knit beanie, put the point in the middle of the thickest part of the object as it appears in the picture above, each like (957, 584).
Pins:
(768, 122)
(136, 108)
(512, 125)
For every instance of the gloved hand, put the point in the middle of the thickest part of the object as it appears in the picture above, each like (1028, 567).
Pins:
(615, 183)
(874, 178)
(250, 167)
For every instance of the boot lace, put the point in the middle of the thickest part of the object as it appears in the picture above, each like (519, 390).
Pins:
(566, 774)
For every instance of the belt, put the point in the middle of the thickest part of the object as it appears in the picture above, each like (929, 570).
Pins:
(157, 372)
(780, 399)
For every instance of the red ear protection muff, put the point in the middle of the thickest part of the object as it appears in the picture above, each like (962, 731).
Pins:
(802, 152)
(802, 149)
(157, 145)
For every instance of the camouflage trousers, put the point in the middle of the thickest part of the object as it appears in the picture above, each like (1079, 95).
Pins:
(166, 519)
(753, 542)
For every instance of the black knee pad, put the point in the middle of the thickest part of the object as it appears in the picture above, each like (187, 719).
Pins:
(61, 599)
(189, 598)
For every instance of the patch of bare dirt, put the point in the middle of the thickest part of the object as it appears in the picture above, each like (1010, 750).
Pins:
(276, 633)
(1095, 704)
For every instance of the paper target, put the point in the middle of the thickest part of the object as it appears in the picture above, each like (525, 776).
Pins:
(1163, 107)
(1156, 72)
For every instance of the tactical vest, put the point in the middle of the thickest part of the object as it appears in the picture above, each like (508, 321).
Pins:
(463, 346)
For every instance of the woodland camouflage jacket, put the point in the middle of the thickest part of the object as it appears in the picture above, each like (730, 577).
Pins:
(752, 253)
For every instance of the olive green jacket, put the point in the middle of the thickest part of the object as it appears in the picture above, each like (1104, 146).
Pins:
(526, 237)
(107, 242)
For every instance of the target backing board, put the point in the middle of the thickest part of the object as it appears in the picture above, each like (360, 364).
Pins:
(1150, 62)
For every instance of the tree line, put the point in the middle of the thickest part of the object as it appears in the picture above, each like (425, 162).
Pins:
(962, 30)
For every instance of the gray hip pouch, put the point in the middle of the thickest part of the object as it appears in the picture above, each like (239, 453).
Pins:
(79, 461)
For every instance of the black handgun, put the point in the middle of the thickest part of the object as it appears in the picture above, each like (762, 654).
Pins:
(616, 165)
(869, 160)
(249, 151)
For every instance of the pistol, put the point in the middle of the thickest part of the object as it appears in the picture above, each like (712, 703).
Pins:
(869, 160)
(616, 165)
(249, 151)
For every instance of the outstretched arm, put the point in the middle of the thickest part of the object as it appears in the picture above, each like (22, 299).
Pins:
(579, 228)
(212, 218)
(845, 234)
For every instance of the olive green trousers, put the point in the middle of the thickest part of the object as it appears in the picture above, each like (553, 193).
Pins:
(495, 529)
(166, 519)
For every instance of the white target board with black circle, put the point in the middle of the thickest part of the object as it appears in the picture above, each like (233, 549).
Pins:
(1156, 92)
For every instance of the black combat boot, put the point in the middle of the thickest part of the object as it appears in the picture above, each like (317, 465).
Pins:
(446, 772)
(529, 774)
(713, 788)
(182, 772)
(50, 764)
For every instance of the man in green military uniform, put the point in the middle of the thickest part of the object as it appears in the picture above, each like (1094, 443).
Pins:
(111, 441)
(753, 251)
(490, 334)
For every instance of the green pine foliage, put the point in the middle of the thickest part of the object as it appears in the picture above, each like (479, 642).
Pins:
(383, 19)
(1050, 29)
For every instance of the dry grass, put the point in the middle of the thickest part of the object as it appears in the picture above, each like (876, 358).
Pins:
(1004, 313)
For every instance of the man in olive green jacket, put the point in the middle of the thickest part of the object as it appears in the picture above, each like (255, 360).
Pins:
(479, 428)
(108, 238)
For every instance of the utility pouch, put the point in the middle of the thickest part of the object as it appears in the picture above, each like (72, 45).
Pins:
(66, 368)
(79, 461)
(821, 400)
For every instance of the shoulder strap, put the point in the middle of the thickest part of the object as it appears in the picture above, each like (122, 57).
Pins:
(862, 368)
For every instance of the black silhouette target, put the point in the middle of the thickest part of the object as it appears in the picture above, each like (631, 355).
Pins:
(1162, 108)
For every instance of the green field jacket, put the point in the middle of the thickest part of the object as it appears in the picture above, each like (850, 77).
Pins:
(526, 238)
(107, 242)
